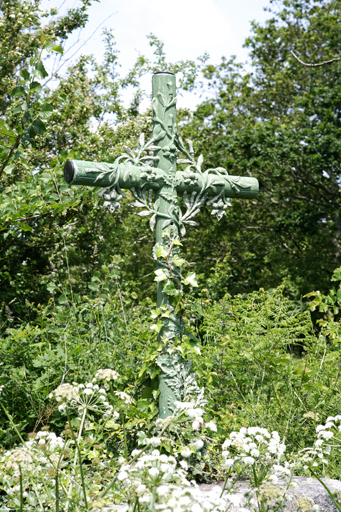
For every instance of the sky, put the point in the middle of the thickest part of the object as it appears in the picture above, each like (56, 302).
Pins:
(188, 28)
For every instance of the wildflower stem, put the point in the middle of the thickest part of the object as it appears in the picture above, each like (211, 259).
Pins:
(331, 495)
(78, 452)
(37, 494)
(136, 503)
(13, 424)
(255, 475)
(113, 481)
(75, 459)
(125, 437)
(21, 490)
(225, 483)
(232, 485)
(57, 491)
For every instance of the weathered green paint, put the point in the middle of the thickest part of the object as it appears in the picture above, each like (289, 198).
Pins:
(80, 172)
(156, 183)
(164, 120)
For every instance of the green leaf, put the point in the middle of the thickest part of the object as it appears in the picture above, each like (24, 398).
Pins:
(49, 45)
(112, 425)
(338, 295)
(62, 299)
(24, 226)
(156, 327)
(155, 313)
(170, 289)
(142, 405)
(18, 91)
(160, 275)
(40, 71)
(336, 275)
(25, 74)
(36, 86)
(9, 169)
(178, 261)
(94, 287)
(46, 107)
(38, 126)
(190, 279)
(161, 252)
(58, 49)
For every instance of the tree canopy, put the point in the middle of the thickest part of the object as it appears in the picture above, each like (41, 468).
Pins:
(274, 119)
(279, 121)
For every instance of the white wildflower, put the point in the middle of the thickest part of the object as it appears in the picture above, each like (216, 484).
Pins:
(88, 391)
(229, 462)
(184, 465)
(154, 441)
(248, 460)
(196, 425)
(106, 374)
(226, 444)
(326, 435)
(186, 452)
(163, 490)
(124, 396)
(183, 405)
(153, 472)
(195, 413)
(122, 476)
(198, 444)
(64, 391)
(212, 426)
(141, 489)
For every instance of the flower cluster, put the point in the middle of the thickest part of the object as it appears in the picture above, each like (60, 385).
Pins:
(89, 396)
(39, 449)
(106, 374)
(251, 445)
(317, 455)
(155, 480)
(195, 413)
(65, 392)
(37, 458)
(311, 415)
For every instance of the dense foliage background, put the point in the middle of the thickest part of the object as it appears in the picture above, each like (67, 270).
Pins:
(276, 120)
(76, 283)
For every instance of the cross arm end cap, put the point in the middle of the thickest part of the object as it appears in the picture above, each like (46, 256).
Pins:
(69, 171)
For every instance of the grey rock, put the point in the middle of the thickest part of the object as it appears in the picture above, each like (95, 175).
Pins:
(308, 492)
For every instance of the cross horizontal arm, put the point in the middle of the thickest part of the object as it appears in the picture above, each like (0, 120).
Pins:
(127, 176)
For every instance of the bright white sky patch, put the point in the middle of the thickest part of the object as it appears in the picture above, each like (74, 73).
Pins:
(188, 28)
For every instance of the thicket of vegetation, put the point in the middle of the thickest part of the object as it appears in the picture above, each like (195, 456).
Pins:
(77, 290)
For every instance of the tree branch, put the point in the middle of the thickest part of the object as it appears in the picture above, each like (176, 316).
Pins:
(336, 59)
(16, 143)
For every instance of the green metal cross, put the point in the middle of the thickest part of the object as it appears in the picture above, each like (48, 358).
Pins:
(151, 175)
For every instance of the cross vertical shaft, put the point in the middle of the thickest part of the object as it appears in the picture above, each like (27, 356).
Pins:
(164, 120)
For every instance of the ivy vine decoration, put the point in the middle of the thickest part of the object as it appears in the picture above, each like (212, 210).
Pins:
(150, 180)
(112, 194)
(219, 202)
